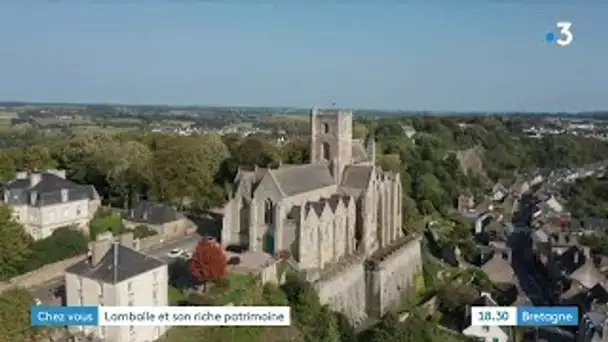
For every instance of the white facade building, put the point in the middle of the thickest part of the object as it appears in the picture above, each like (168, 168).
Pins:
(44, 202)
(116, 274)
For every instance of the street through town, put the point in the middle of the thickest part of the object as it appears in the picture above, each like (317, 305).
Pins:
(528, 280)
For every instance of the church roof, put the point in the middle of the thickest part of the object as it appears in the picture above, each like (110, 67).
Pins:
(588, 275)
(299, 179)
(356, 177)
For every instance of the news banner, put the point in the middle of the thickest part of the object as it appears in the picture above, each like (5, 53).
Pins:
(524, 315)
(265, 316)
(160, 316)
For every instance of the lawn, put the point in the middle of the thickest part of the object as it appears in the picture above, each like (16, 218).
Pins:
(236, 291)
(242, 289)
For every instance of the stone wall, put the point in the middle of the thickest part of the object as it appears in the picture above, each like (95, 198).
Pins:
(52, 271)
(269, 273)
(393, 278)
(345, 291)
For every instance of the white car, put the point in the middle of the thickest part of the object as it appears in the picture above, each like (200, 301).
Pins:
(175, 253)
(37, 301)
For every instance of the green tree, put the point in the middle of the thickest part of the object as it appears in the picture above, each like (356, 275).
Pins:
(257, 151)
(15, 246)
(7, 167)
(15, 316)
(316, 322)
(297, 151)
(64, 243)
(183, 169)
(37, 158)
(106, 221)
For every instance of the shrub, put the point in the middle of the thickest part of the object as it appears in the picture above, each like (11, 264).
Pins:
(143, 231)
(64, 243)
(106, 221)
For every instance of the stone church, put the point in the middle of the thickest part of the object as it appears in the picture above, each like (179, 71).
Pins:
(336, 212)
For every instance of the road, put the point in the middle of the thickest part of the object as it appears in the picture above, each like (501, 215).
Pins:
(51, 291)
(521, 244)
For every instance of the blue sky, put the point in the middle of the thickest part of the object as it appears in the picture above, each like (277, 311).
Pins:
(480, 56)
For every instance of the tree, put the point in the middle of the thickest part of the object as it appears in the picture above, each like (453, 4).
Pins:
(37, 158)
(15, 316)
(184, 167)
(257, 151)
(106, 221)
(7, 166)
(297, 151)
(15, 245)
(64, 243)
(208, 263)
(316, 322)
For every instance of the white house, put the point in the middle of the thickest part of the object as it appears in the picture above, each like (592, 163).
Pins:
(45, 201)
(116, 274)
(486, 333)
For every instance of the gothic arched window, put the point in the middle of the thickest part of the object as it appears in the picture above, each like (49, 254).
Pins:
(268, 212)
(326, 151)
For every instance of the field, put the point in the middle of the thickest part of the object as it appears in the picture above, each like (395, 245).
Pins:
(287, 118)
(5, 120)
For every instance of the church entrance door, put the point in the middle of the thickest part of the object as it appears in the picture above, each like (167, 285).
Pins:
(269, 243)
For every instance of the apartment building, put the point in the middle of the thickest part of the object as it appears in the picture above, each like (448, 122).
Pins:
(116, 274)
(45, 201)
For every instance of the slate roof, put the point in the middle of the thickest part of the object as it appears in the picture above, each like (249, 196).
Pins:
(355, 179)
(130, 263)
(152, 213)
(498, 269)
(588, 275)
(299, 179)
(597, 224)
(48, 190)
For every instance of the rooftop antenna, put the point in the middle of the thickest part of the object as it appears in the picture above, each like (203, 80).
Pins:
(115, 262)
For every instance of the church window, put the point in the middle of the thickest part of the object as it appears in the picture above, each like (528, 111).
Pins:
(268, 212)
(326, 151)
(325, 128)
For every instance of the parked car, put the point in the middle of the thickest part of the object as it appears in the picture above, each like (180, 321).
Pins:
(175, 253)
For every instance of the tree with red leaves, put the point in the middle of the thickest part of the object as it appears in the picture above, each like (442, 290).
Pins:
(208, 263)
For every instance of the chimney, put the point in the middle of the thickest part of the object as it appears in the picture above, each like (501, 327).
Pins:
(127, 239)
(33, 197)
(64, 195)
(35, 178)
(100, 248)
